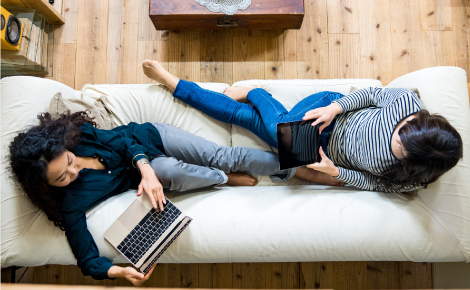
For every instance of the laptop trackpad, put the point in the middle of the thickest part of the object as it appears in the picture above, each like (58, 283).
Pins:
(133, 215)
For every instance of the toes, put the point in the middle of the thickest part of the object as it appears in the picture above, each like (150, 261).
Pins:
(251, 180)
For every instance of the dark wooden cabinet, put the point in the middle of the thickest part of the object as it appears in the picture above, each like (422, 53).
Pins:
(261, 14)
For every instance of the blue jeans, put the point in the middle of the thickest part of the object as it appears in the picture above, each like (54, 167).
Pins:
(262, 117)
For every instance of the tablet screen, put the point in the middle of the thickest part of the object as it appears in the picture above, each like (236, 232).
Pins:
(298, 143)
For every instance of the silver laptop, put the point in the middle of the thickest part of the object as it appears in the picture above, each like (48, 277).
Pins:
(142, 234)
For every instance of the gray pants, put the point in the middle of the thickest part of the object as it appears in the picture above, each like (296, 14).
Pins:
(192, 162)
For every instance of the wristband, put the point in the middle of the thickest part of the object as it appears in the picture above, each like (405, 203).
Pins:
(144, 161)
(135, 157)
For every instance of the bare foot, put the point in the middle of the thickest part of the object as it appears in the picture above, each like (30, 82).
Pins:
(317, 177)
(241, 179)
(154, 70)
(238, 93)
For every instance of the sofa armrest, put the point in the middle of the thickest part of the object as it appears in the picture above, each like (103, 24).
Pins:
(444, 90)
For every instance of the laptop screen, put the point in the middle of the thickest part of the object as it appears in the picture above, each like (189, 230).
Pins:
(298, 143)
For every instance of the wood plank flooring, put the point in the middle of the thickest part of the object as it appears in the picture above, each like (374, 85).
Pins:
(326, 275)
(105, 41)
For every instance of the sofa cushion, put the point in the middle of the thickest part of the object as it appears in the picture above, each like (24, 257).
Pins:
(155, 103)
(268, 224)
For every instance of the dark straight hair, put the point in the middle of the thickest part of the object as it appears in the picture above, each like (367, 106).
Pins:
(432, 147)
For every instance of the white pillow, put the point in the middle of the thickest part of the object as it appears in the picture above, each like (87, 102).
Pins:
(155, 103)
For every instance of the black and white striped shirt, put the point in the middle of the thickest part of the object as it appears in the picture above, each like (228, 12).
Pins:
(360, 144)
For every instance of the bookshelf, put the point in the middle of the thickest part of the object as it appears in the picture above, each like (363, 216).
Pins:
(52, 12)
(35, 56)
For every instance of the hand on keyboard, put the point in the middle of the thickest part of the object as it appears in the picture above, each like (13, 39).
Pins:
(152, 187)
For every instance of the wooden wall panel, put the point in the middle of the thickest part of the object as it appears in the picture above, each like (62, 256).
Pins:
(290, 64)
(436, 15)
(407, 37)
(413, 275)
(159, 277)
(64, 63)
(129, 41)
(276, 55)
(43, 275)
(146, 29)
(305, 275)
(184, 55)
(273, 275)
(216, 56)
(349, 275)
(468, 88)
(182, 275)
(312, 42)
(461, 34)
(149, 50)
(439, 48)
(114, 45)
(92, 38)
(379, 273)
(344, 56)
(318, 275)
(67, 33)
(248, 55)
(375, 41)
(215, 275)
(290, 273)
(249, 275)
(343, 16)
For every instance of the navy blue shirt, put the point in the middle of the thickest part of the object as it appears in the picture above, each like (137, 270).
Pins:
(118, 150)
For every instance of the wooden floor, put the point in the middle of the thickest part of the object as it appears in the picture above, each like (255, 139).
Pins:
(105, 41)
(331, 275)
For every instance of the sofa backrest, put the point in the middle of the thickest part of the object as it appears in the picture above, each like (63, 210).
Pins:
(155, 103)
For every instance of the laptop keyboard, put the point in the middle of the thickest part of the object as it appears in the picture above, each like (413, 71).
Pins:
(166, 247)
(150, 228)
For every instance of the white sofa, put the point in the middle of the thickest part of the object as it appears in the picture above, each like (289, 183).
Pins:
(264, 223)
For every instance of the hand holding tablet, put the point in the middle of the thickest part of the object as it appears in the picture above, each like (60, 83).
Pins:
(298, 143)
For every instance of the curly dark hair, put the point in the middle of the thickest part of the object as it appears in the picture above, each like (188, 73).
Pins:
(32, 150)
(432, 147)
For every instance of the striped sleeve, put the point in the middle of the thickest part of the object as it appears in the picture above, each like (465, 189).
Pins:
(368, 181)
(372, 97)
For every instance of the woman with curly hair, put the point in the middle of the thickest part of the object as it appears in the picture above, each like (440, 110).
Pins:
(67, 165)
(376, 139)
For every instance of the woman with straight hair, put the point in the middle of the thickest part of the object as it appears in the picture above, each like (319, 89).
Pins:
(376, 139)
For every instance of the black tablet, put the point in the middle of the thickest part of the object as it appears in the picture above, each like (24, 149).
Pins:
(298, 143)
